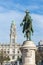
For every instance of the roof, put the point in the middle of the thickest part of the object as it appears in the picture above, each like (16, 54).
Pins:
(40, 43)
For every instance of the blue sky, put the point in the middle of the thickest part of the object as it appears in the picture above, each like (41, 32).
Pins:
(14, 10)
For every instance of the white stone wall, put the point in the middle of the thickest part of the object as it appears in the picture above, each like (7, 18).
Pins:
(13, 51)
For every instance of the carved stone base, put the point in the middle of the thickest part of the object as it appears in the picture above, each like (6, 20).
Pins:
(28, 64)
(28, 53)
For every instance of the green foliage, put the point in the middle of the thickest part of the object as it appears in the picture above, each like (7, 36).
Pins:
(39, 56)
(19, 59)
(6, 58)
(27, 26)
(3, 57)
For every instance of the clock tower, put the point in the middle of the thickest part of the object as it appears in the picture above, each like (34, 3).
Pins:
(13, 33)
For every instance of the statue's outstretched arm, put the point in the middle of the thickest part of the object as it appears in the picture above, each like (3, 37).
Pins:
(21, 24)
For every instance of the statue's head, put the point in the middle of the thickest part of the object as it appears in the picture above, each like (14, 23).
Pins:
(27, 12)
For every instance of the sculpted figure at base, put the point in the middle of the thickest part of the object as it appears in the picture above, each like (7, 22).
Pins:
(27, 26)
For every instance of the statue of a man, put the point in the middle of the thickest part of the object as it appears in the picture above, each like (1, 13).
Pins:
(27, 25)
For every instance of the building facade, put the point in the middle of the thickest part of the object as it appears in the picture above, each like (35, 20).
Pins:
(12, 49)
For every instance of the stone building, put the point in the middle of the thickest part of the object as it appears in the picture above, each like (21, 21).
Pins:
(39, 53)
(12, 49)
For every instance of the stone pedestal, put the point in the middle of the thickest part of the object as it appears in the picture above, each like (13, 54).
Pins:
(28, 53)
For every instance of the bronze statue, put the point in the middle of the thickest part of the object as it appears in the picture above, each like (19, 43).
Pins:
(27, 25)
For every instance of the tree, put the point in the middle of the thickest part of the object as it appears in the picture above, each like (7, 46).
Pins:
(27, 26)
(3, 57)
(38, 56)
(6, 58)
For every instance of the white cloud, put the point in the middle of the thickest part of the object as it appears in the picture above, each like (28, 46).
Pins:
(17, 6)
(5, 22)
(24, 7)
(38, 27)
(2, 9)
(38, 19)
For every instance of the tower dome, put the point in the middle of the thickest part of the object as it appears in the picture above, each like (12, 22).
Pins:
(13, 22)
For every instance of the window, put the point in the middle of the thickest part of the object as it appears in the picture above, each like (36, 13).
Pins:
(18, 51)
(4, 51)
(13, 50)
(7, 51)
(13, 57)
(13, 40)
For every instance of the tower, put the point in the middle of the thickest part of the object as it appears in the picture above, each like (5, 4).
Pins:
(12, 33)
